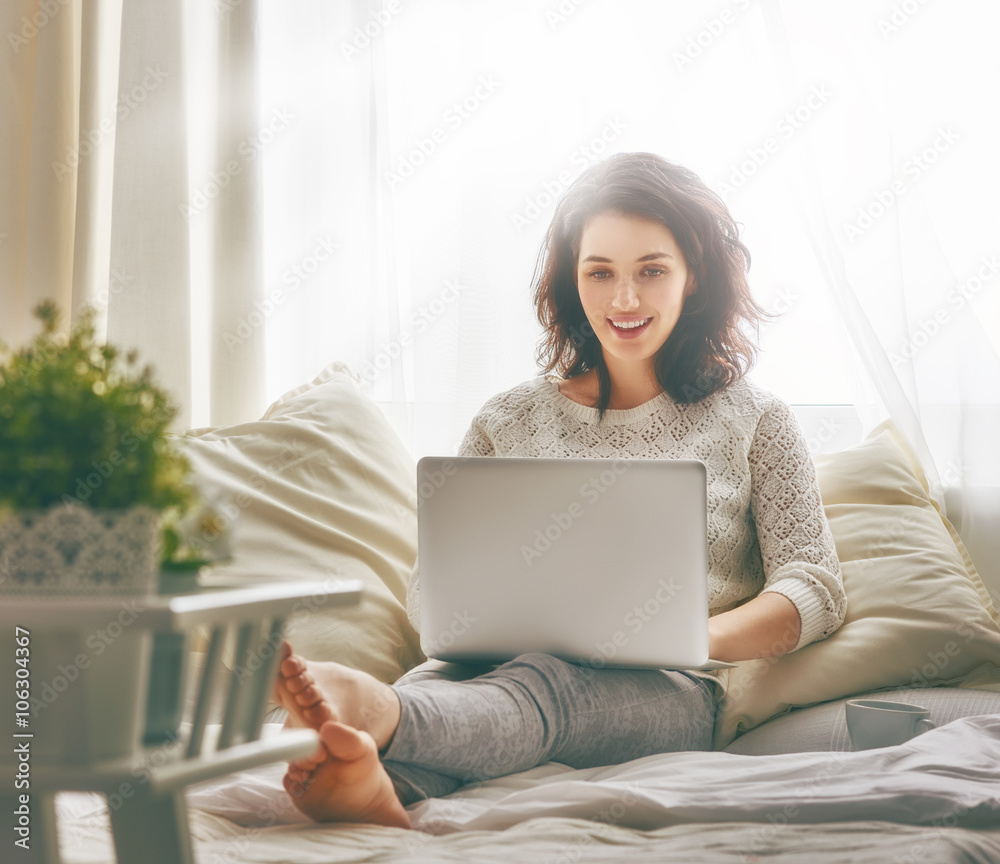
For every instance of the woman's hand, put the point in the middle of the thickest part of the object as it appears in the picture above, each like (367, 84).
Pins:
(766, 626)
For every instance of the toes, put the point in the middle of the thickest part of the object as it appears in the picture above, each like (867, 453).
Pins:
(316, 710)
(297, 775)
(292, 665)
(284, 652)
(308, 764)
(312, 761)
(309, 694)
(297, 683)
(346, 743)
(293, 786)
(319, 714)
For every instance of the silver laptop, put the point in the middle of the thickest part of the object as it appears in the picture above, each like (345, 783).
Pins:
(598, 561)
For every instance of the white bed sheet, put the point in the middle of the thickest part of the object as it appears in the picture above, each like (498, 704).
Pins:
(936, 798)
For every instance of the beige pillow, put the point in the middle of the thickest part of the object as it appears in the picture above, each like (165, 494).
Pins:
(322, 488)
(917, 612)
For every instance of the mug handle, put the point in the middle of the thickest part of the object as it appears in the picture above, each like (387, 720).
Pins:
(924, 725)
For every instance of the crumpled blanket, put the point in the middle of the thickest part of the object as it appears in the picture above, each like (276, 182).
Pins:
(948, 776)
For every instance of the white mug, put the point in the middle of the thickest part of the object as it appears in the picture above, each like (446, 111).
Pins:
(879, 723)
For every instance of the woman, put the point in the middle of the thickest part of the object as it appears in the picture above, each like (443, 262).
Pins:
(642, 292)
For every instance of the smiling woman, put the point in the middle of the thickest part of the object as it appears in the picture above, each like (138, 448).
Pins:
(642, 291)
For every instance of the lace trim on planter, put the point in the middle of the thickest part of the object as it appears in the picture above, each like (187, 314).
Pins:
(69, 549)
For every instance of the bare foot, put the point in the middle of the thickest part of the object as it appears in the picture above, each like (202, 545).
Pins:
(344, 779)
(315, 692)
(348, 785)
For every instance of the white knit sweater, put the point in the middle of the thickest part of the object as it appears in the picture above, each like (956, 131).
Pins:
(766, 527)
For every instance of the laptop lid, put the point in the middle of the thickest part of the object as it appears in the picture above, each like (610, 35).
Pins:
(598, 561)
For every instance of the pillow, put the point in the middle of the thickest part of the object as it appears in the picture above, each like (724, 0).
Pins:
(918, 614)
(322, 488)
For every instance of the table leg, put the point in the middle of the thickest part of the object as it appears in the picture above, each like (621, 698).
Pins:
(152, 829)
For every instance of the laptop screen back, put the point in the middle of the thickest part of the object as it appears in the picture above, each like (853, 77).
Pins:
(594, 560)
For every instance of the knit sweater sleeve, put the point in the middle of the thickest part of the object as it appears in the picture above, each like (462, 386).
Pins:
(476, 443)
(796, 546)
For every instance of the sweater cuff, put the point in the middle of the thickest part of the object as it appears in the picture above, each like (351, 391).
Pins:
(811, 608)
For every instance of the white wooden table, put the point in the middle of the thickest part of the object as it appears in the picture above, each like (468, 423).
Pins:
(91, 656)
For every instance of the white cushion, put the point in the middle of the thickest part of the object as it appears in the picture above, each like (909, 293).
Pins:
(322, 488)
(917, 612)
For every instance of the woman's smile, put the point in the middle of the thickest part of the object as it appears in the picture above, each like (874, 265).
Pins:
(629, 328)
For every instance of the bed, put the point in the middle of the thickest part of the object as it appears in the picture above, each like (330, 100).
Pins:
(902, 803)
(322, 488)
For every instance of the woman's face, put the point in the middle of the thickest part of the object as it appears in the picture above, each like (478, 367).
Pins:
(633, 280)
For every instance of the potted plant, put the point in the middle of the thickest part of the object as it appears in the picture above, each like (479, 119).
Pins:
(86, 467)
(92, 490)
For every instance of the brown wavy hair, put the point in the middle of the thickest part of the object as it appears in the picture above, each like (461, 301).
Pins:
(708, 348)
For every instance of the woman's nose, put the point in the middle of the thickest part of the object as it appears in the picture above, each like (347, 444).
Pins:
(626, 297)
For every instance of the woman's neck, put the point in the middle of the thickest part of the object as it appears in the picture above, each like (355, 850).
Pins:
(626, 392)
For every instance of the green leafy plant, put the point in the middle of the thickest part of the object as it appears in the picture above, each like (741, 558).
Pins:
(80, 424)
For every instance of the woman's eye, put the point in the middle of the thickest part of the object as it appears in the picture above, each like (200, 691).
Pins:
(599, 274)
(653, 272)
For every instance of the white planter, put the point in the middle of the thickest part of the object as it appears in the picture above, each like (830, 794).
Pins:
(88, 684)
(88, 692)
(71, 549)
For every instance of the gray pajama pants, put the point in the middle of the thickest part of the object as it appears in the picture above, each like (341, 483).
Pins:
(462, 724)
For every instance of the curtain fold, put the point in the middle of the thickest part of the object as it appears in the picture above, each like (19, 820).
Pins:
(39, 144)
(150, 239)
(93, 283)
(60, 102)
(239, 308)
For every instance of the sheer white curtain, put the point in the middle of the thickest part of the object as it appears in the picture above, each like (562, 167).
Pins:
(855, 141)
(906, 227)
(300, 181)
